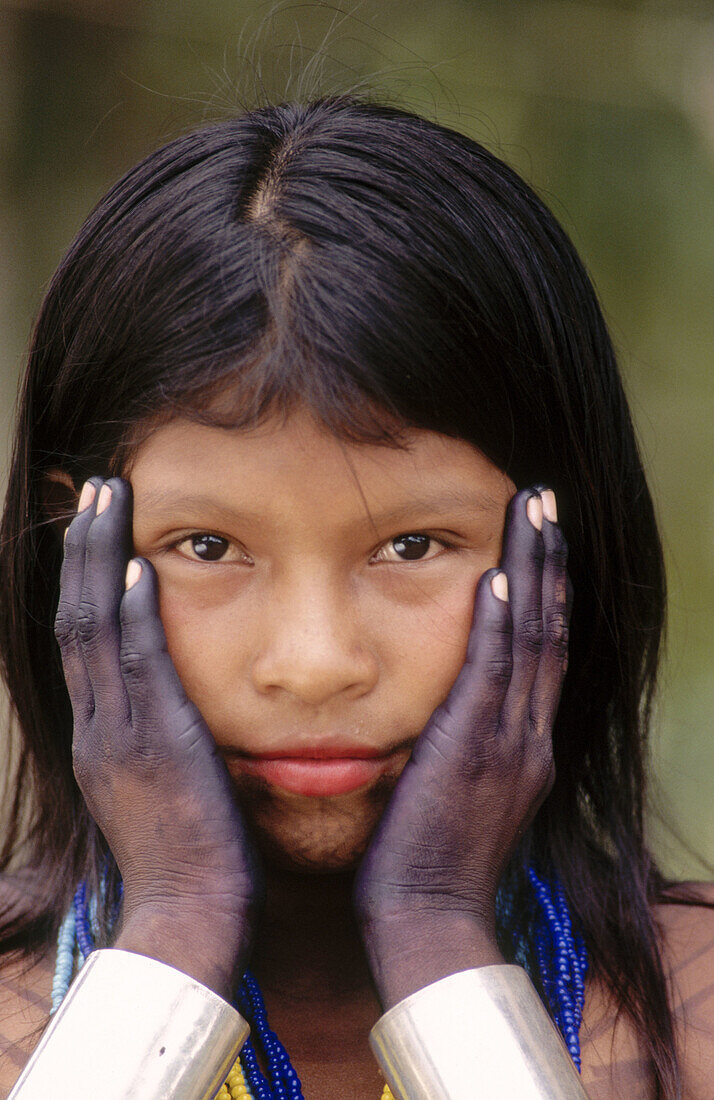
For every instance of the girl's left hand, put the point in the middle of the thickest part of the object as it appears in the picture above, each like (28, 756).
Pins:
(425, 893)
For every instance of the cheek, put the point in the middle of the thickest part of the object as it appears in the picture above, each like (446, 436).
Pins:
(430, 639)
(204, 643)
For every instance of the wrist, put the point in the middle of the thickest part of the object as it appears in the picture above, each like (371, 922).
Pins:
(407, 953)
(132, 1027)
(484, 1030)
(213, 953)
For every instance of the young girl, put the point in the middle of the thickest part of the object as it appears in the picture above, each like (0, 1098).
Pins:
(323, 390)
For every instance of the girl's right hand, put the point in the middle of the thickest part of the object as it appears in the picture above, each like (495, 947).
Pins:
(145, 760)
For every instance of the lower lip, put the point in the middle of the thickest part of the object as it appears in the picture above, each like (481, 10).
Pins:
(318, 778)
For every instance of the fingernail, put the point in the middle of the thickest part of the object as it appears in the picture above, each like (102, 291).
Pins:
(534, 511)
(86, 496)
(499, 586)
(550, 509)
(105, 495)
(133, 572)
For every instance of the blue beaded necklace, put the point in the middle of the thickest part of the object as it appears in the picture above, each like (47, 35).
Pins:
(560, 952)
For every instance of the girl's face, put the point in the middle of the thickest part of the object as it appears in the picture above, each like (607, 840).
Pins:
(317, 600)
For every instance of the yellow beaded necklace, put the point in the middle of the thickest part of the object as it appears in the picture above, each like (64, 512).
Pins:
(236, 1086)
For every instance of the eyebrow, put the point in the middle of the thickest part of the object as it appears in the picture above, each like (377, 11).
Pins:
(452, 502)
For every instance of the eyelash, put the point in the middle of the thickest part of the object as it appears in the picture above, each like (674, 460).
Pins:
(441, 541)
(194, 536)
(444, 543)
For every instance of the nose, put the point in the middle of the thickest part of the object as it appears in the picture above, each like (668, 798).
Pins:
(313, 646)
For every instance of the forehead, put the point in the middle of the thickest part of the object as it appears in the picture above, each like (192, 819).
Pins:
(296, 462)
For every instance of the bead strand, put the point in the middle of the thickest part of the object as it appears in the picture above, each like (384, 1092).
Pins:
(558, 966)
(235, 1086)
(549, 944)
(578, 955)
(254, 1075)
(83, 927)
(284, 1081)
(561, 961)
(64, 964)
(560, 953)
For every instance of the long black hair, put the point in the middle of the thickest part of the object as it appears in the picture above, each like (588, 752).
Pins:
(385, 271)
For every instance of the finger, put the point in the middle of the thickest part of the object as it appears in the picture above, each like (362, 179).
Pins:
(71, 579)
(476, 698)
(151, 681)
(556, 601)
(108, 547)
(522, 561)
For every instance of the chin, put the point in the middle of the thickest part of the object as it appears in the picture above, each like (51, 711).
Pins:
(313, 835)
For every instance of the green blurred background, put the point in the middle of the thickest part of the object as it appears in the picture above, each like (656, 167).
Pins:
(607, 109)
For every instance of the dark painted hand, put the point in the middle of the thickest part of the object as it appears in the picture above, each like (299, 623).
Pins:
(425, 892)
(145, 760)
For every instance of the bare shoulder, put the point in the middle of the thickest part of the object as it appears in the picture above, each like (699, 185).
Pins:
(25, 987)
(613, 1065)
(24, 1009)
(688, 938)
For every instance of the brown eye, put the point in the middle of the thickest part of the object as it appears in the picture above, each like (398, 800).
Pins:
(205, 546)
(411, 547)
(208, 547)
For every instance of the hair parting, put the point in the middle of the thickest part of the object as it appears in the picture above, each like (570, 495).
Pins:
(387, 273)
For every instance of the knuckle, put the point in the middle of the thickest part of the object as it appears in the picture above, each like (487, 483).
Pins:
(140, 647)
(90, 624)
(64, 626)
(530, 633)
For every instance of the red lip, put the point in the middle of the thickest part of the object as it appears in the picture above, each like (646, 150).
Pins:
(322, 752)
(317, 771)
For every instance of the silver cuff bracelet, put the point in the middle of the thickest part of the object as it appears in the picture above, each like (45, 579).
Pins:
(133, 1027)
(482, 1032)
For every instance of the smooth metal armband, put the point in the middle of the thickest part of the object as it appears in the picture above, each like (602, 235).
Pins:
(482, 1032)
(133, 1027)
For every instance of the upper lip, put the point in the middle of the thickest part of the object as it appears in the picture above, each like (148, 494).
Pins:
(322, 751)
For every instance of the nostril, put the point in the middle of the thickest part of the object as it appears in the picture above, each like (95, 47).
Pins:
(315, 675)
